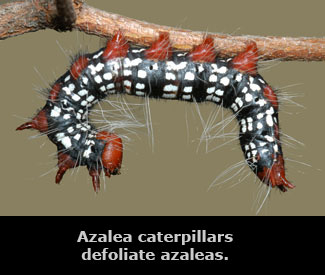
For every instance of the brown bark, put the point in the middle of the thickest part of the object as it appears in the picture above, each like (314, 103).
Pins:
(20, 17)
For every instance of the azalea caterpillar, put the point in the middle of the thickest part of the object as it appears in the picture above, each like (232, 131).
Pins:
(159, 71)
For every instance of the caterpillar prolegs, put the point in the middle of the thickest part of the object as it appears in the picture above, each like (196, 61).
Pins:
(159, 71)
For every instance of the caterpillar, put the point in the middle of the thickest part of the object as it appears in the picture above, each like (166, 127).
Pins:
(159, 71)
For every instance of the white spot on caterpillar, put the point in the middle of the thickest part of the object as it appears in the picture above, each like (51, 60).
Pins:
(211, 90)
(239, 102)
(176, 67)
(234, 107)
(261, 102)
(255, 87)
(268, 138)
(260, 115)
(55, 112)
(139, 93)
(244, 90)
(67, 78)
(225, 81)
(127, 83)
(87, 152)
(142, 74)
(90, 98)
(276, 148)
(170, 76)
(186, 97)
(209, 97)
(82, 92)
(75, 97)
(140, 86)
(201, 68)
(222, 70)
(110, 86)
(99, 67)
(98, 79)
(248, 97)
(259, 125)
(70, 129)
(188, 89)
(138, 51)
(189, 76)
(85, 80)
(264, 151)
(239, 78)
(71, 87)
(67, 90)
(77, 136)
(170, 88)
(213, 78)
(217, 99)
(98, 55)
(84, 103)
(269, 120)
(108, 76)
(127, 72)
(252, 145)
(66, 141)
(155, 67)
(126, 63)
(66, 116)
(270, 111)
(169, 96)
(102, 88)
(219, 92)
(136, 62)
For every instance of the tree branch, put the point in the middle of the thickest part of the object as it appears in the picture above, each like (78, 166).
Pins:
(21, 17)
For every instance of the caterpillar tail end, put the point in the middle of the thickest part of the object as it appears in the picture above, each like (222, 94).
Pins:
(275, 176)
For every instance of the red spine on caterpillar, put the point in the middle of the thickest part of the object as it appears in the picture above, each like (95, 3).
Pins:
(275, 175)
(117, 47)
(78, 66)
(64, 163)
(246, 61)
(271, 96)
(112, 153)
(55, 92)
(204, 52)
(160, 49)
(39, 122)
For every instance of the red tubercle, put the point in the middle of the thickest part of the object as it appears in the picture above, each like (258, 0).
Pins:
(246, 61)
(55, 91)
(204, 52)
(161, 49)
(271, 96)
(116, 47)
(276, 175)
(39, 122)
(64, 163)
(78, 66)
(112, 154)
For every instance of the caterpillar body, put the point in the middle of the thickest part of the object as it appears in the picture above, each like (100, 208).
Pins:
(160, 72)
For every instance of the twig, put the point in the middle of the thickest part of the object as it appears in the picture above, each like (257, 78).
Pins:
(66, 15)
(30, 16)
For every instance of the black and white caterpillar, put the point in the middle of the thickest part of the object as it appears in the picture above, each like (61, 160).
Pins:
(160, 72)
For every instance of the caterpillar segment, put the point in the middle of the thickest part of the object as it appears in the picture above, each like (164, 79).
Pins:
(160, 72)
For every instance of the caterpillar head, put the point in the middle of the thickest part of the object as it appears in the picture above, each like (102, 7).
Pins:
(270, 170)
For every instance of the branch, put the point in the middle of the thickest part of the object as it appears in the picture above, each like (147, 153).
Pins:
(21, 17)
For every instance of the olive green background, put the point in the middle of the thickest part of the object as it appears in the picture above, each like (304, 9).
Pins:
(172, 179)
